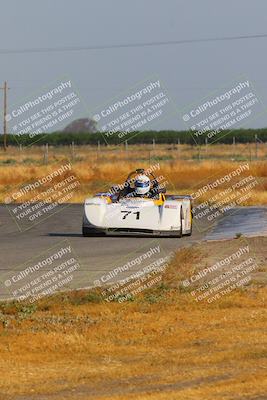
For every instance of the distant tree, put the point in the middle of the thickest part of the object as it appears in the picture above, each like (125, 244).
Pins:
(82, 125)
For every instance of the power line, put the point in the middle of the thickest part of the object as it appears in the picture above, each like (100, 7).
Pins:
(129, 45)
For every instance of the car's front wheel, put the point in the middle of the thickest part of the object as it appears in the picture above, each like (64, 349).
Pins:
(181, 224)
(87, 232)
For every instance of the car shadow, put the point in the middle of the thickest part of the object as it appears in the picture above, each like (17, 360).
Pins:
(65, 234)
(121, 235)
(58, 234)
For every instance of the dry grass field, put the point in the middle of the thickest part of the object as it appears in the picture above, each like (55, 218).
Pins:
(162, 345)
(184, 168)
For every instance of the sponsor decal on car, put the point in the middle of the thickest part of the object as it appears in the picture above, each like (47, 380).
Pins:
(171, 206)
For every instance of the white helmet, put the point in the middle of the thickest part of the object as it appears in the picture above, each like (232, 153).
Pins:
(142, 184)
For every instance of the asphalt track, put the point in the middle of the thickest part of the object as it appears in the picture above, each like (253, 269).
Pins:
(97, 256)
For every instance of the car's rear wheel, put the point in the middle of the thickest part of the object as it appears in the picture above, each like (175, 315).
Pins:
(190, 232)
(191, 225)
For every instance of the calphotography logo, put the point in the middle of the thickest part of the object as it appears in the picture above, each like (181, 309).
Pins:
(52, 108)
(223, 111)
(51, 271)
(221, 195)
(141, 108)
(35, 201)
(232, 272)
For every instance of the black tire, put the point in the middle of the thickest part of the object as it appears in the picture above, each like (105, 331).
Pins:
(189, 233)
(191, 227)
(87, 232)
(181, 224)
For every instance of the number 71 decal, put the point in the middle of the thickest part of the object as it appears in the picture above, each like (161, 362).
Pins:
(127, 213)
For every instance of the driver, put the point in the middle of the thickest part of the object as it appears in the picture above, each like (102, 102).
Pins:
(142, 186)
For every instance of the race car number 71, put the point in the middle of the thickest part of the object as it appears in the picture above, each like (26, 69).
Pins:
(126, 213)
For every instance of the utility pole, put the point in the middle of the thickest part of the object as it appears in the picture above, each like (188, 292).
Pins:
(5, 89)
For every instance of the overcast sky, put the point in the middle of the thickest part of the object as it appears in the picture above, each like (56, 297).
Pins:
(189, 71)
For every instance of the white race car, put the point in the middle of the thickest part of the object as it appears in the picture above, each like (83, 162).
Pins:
(121, 211)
